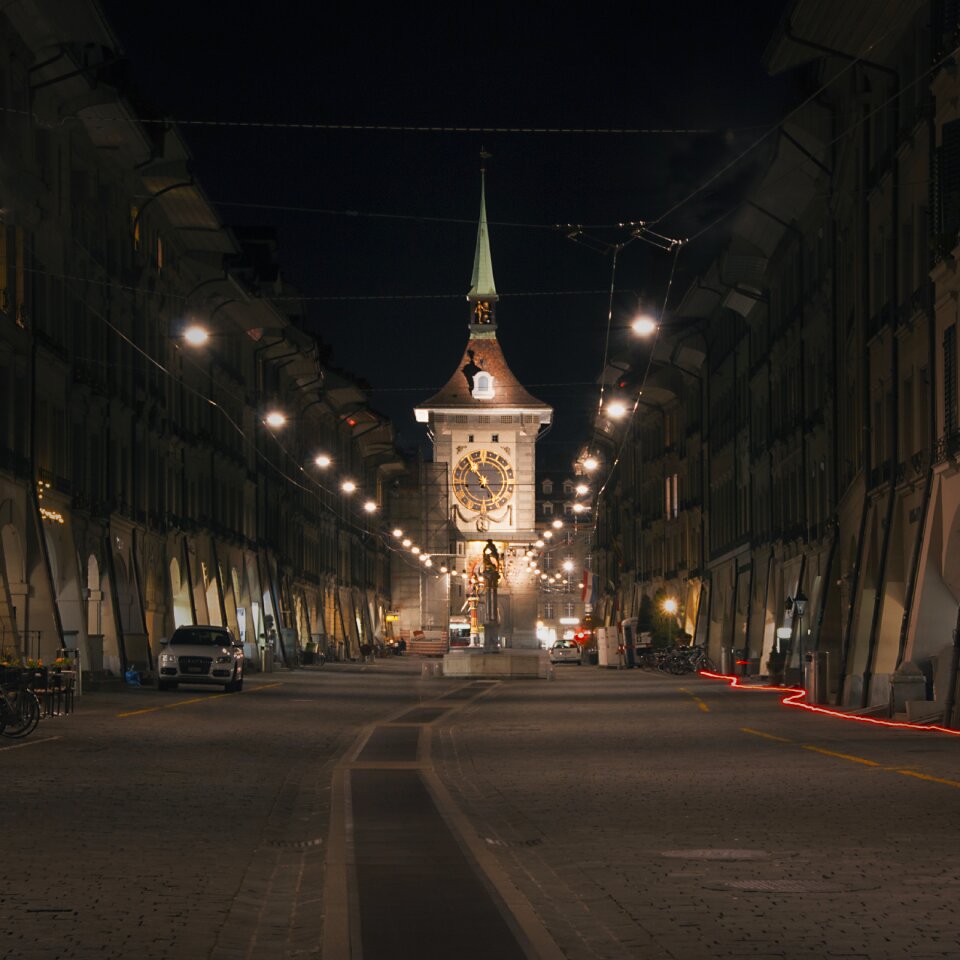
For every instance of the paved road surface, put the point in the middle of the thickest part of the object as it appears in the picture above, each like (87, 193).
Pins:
(366, 811)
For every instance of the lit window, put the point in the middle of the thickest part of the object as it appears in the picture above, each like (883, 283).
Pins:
(483, 386)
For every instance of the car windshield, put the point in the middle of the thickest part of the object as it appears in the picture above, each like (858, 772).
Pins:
(197, 636)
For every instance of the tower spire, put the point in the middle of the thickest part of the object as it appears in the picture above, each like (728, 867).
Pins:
(483, 290)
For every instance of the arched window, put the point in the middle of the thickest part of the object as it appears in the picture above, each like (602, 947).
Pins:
(483, 385)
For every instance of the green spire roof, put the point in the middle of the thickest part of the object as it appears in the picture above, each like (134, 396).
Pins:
(482, 286)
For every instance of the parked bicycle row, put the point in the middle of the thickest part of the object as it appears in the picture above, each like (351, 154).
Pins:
(674, 660)
(28, 695)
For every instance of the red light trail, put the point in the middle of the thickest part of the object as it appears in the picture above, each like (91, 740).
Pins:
(796, 694)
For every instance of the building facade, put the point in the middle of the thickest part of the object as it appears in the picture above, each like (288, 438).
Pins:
(828, 380)
(561, 554)
(141, 484)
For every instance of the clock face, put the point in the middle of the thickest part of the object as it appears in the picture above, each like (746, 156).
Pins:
(483, 481)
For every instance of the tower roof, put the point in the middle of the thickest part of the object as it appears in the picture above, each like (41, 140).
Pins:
(483, 355)
(482, 286)
(482, 380)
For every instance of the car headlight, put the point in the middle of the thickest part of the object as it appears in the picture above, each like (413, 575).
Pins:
(225, 659)
(168, 658)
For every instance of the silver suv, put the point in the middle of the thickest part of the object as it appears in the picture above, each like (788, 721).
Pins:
(201, 654)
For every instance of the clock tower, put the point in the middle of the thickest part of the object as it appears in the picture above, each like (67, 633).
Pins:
(484, 426)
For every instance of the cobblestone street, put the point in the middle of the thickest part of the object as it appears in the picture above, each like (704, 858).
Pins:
(606, 814)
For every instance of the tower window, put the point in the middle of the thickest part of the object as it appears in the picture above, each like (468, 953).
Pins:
(483, 385)
(494, 437)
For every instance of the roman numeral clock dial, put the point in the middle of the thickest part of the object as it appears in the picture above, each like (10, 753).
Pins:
(483, 481)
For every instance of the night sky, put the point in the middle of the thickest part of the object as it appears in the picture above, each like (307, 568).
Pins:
(377, 228)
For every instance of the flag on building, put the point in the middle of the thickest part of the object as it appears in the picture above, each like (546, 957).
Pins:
(588, 593)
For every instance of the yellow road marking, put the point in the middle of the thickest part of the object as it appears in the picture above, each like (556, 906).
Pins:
(842, 756)
(695, 698)
(926, 776)
(183, 703)
(170, 706)
(766, 736)
(902, 771)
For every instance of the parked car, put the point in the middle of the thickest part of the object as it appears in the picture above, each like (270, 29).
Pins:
(566, 651)
(201, 654)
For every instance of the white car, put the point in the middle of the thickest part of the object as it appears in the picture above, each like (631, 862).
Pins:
(201, 654)
(566, 651)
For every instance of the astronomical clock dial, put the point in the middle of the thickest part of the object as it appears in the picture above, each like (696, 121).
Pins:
(483, 481)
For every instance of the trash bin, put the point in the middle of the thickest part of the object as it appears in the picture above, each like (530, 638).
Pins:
(593, 657)
(815, 676)
(726, 661)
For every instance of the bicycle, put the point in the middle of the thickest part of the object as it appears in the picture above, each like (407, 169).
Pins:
(19, 711)
(687, 660)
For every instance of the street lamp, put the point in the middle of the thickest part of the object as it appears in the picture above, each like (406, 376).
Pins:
(644, 326)
(798, 605)
(196, 336)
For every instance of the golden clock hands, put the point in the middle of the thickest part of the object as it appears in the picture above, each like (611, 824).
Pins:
(480, 476)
